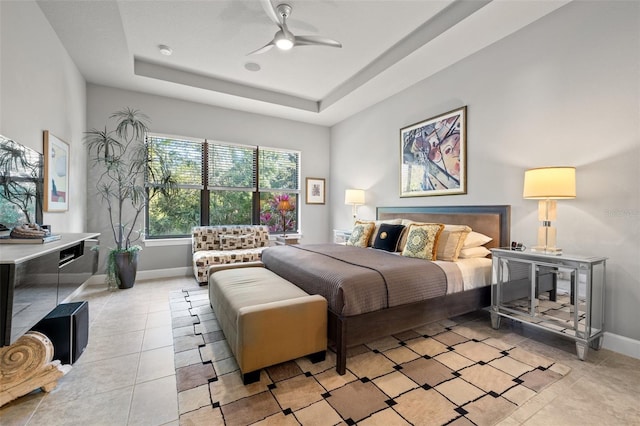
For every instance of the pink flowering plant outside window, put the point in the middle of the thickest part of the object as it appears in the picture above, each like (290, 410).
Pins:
(272, 217)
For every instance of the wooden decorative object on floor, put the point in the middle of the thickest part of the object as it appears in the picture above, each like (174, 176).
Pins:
(27, 365)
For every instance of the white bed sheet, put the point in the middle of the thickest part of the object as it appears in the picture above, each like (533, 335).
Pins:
(475, 272)
(464, 274)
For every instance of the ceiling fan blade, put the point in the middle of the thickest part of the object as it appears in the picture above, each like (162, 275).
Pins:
(311, 40)
(271, 12)
(263, 49)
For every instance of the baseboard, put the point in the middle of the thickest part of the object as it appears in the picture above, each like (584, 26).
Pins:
(99, 279)
(166, 273)
(622, 345)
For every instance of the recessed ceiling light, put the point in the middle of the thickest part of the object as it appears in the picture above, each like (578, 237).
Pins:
(165, 50)
(252, 66)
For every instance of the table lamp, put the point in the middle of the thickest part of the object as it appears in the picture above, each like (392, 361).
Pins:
(549, 184)
(355, 197)
(284, 206)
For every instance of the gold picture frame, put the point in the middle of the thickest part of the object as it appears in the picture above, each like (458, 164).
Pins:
(433, 158)
(315, 190)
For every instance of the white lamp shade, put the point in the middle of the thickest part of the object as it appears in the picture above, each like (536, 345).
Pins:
(354, 196)
(550, 183)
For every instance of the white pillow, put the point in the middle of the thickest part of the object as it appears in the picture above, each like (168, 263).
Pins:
(407, 222)
(472, 252)
(475, 239)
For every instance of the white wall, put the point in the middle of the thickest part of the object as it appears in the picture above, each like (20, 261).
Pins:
(563, 91)
(42, 89)
(175, 117)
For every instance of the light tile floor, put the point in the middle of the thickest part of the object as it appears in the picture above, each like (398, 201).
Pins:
(127, 375)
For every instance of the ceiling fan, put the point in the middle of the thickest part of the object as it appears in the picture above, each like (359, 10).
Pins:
(284, 39)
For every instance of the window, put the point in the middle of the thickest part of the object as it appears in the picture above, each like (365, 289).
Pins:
(221, 184)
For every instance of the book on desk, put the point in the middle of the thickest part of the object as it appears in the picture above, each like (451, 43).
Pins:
(40, 240)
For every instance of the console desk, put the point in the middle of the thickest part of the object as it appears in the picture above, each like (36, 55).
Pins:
(35, 278)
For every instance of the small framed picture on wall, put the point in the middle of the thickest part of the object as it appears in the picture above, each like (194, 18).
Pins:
(315, 190)
(56, 173)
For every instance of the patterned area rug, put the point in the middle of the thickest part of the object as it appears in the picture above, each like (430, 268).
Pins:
(443, 373)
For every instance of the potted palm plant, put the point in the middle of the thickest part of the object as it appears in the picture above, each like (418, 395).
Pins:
(123, 160)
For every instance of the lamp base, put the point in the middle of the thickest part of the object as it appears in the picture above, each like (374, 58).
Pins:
(547, 240)
(548, 250)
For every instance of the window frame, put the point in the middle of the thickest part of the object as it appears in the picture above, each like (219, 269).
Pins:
(205, 189)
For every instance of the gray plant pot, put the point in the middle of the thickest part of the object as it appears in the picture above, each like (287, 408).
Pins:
(126, 268)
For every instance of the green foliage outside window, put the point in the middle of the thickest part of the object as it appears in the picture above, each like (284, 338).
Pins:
(230, 208)
(175, 215)
(234, 179)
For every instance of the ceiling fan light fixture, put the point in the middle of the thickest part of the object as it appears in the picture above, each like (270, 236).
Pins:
(284, 39)
(284, 44)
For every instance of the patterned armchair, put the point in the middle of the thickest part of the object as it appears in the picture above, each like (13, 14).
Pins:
(217, 245)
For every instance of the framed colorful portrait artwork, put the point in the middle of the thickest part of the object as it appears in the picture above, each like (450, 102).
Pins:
(315, 191)
(56, 173)
(433, 156)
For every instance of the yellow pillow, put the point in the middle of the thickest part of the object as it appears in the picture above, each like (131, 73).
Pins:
(451, 241)
(361, 234)
(422, 240)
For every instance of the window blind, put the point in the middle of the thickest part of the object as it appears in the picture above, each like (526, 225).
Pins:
(279, 170)
(182, 157)
(231, 166)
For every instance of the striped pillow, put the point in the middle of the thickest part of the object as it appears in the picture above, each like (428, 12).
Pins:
(451, 241)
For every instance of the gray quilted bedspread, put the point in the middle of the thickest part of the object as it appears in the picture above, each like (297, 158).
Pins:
(356, 280)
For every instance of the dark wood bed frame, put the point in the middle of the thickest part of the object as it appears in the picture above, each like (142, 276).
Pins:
(345, 331)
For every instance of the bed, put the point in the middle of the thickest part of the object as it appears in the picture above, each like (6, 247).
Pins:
(388, 300)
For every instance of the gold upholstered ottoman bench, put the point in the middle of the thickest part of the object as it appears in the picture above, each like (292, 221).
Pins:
(265, 318)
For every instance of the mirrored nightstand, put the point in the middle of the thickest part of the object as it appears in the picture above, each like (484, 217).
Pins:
(561, 294)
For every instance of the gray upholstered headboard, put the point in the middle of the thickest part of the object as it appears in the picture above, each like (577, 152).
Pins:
(494, 221)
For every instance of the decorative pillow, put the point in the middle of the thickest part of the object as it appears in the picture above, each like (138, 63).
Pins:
(361, 234)
(451, 241)
(422, 240)
(388, 237)
(469, 253)
(235, 242)
(377, 223)
(403, 239)
(248, 241)
(229, 242)
(476, 239)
